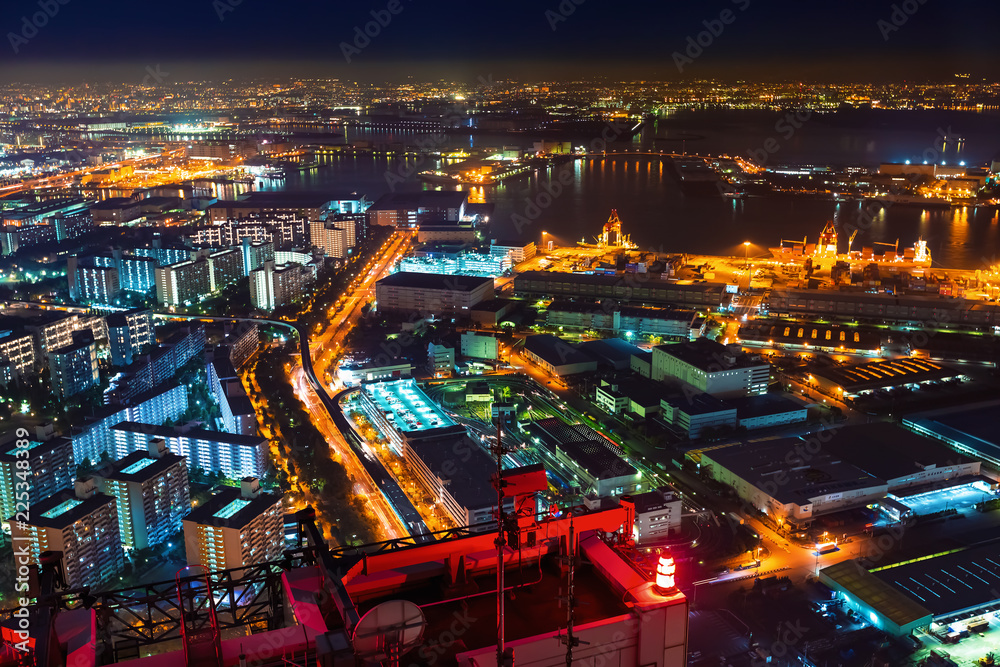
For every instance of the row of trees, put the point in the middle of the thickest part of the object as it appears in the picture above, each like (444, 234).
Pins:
(306, 453)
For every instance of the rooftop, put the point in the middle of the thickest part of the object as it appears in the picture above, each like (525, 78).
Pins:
(697, 404)
(63, 509)
(435, 281)
(748, 407)
(886, 373)
(406, 406)
(229, 509)
(420, 199)
(610, 350)
(950, 582)
(140, 466)
(597, 458)
(464, 468)
(555, 350)
(801, 479)
(709, 355)
(971, 428)
(889, 451)
(873, 591)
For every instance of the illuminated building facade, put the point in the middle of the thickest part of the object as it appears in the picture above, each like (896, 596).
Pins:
(83, 525)
(235, 528)
(151, 492)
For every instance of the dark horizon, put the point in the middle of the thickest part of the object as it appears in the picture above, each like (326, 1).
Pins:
(850, 41)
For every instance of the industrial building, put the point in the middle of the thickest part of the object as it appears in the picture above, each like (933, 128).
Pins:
(968, 429)
(669, 323)
(914, 309)
(81, 524)
(435, 294)
(235, 528)
(711, 368)
(557, 356)
(947, 593)
(399, 408)
(414, 209)
(693, 413)
(797, 479)
(850, 381)
(639, 397)
(456, 473)
(151, 492)
(791, 480)
(595, 463)
(479, 346)
(657, 514)
(817, 337)
(517, 251)
(767, 410)
(352, 374)
(623, 289)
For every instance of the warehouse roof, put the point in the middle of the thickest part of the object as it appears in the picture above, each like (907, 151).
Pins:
(949, 582)
(875, 592)
(434, 281)
(886, 373)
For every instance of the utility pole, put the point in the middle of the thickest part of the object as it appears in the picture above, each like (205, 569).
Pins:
(570, 639)
(500, 542)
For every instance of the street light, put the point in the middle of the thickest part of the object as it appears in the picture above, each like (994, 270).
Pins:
(746, 253)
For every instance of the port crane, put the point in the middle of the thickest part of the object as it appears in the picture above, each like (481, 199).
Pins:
(850, 241)
(612, 235)
(894, 246)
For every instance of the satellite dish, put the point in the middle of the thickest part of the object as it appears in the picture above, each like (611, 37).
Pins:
(388, 631)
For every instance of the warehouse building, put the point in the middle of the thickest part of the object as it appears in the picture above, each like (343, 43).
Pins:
(620, 288)
(792, 481)
(435, 294)
(858, 379)
(711, 367)
(949, 594)
(595, 463)
(557, 356)
(969, 429)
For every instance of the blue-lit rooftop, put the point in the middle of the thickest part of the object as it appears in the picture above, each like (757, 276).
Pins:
(62, 508)
(137, 466)
(232, 508)
(406, 406)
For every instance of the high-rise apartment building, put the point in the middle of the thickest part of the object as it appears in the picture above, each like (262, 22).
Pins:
(152, 494)
(74, 367)
(235, 528)
(83, 525)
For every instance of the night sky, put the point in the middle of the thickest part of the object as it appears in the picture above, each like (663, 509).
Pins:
(768, 40)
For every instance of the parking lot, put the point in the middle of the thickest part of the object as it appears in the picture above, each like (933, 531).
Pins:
(959, 497)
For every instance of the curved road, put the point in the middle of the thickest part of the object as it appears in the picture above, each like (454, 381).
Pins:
(382, 480)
